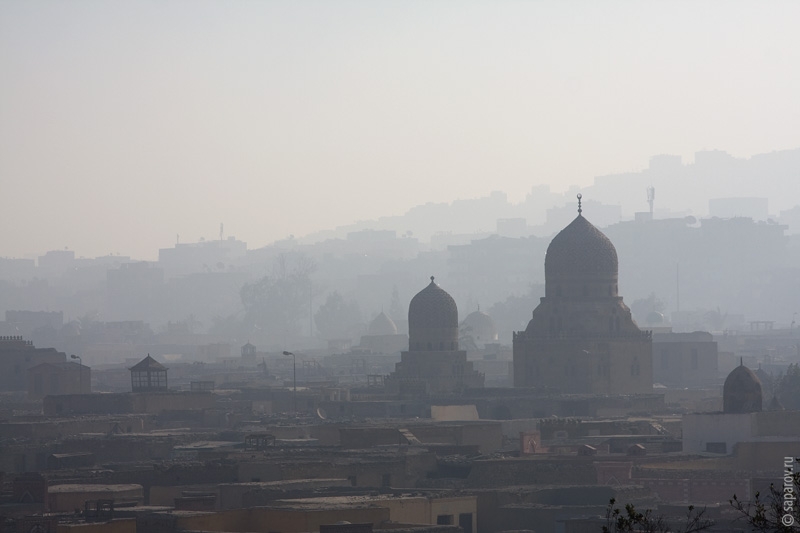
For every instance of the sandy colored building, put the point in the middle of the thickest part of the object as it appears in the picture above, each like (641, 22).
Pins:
(53, 379)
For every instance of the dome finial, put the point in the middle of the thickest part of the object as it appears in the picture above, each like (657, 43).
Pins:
(431, 279)
(579, 203)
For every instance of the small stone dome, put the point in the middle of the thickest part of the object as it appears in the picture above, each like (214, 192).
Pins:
(741, 392)
(432, 320)
(480, 327)
(580, 250)
(382, 325)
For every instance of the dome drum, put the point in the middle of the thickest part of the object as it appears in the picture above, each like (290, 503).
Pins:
(580, 287)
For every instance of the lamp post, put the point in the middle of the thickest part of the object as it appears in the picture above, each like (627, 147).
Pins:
(294, 380)
(80, 372)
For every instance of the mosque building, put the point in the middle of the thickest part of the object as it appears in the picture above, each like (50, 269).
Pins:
(762, 437)
(479, 329)
(581, 337)
(433, 363)
(382, 337)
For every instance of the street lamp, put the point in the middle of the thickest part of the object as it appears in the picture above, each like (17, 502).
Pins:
(294, 379)
(80, 372)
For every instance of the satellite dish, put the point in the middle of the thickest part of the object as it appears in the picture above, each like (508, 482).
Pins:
(321, 413)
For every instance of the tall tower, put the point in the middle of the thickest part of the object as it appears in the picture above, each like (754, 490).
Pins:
(581, 337)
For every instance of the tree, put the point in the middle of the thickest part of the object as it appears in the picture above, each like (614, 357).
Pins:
(779, 512)
(336, 315)
(513, 313)
(641, 308)
(630, 520)
(227, 326)
(275, 304)
(788, 387)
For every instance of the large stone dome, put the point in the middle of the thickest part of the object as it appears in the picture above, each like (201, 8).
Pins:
(580, 249)
(581, 263)
(742, 391)
(432, 320)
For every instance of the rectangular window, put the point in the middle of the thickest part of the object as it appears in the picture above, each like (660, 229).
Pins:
(716, 447)
(444, 520)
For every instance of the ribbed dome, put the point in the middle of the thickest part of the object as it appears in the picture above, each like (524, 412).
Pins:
(741, 392)
(432, 320)
(432, 307)
(580, 249)
(382, 325)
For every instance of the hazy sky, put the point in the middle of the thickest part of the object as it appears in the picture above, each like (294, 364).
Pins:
(125, 123)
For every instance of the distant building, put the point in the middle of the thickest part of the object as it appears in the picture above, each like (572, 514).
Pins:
(52, 379)
(685, 359)
(382, 337)
(203, 256)
(755, 208)
(489, 269)
(581, 338)
(433, 363)
(134, 290)
(55, 262)
(17, 356)
(25, 322)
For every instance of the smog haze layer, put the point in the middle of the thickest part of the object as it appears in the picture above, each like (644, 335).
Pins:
(124, 124)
